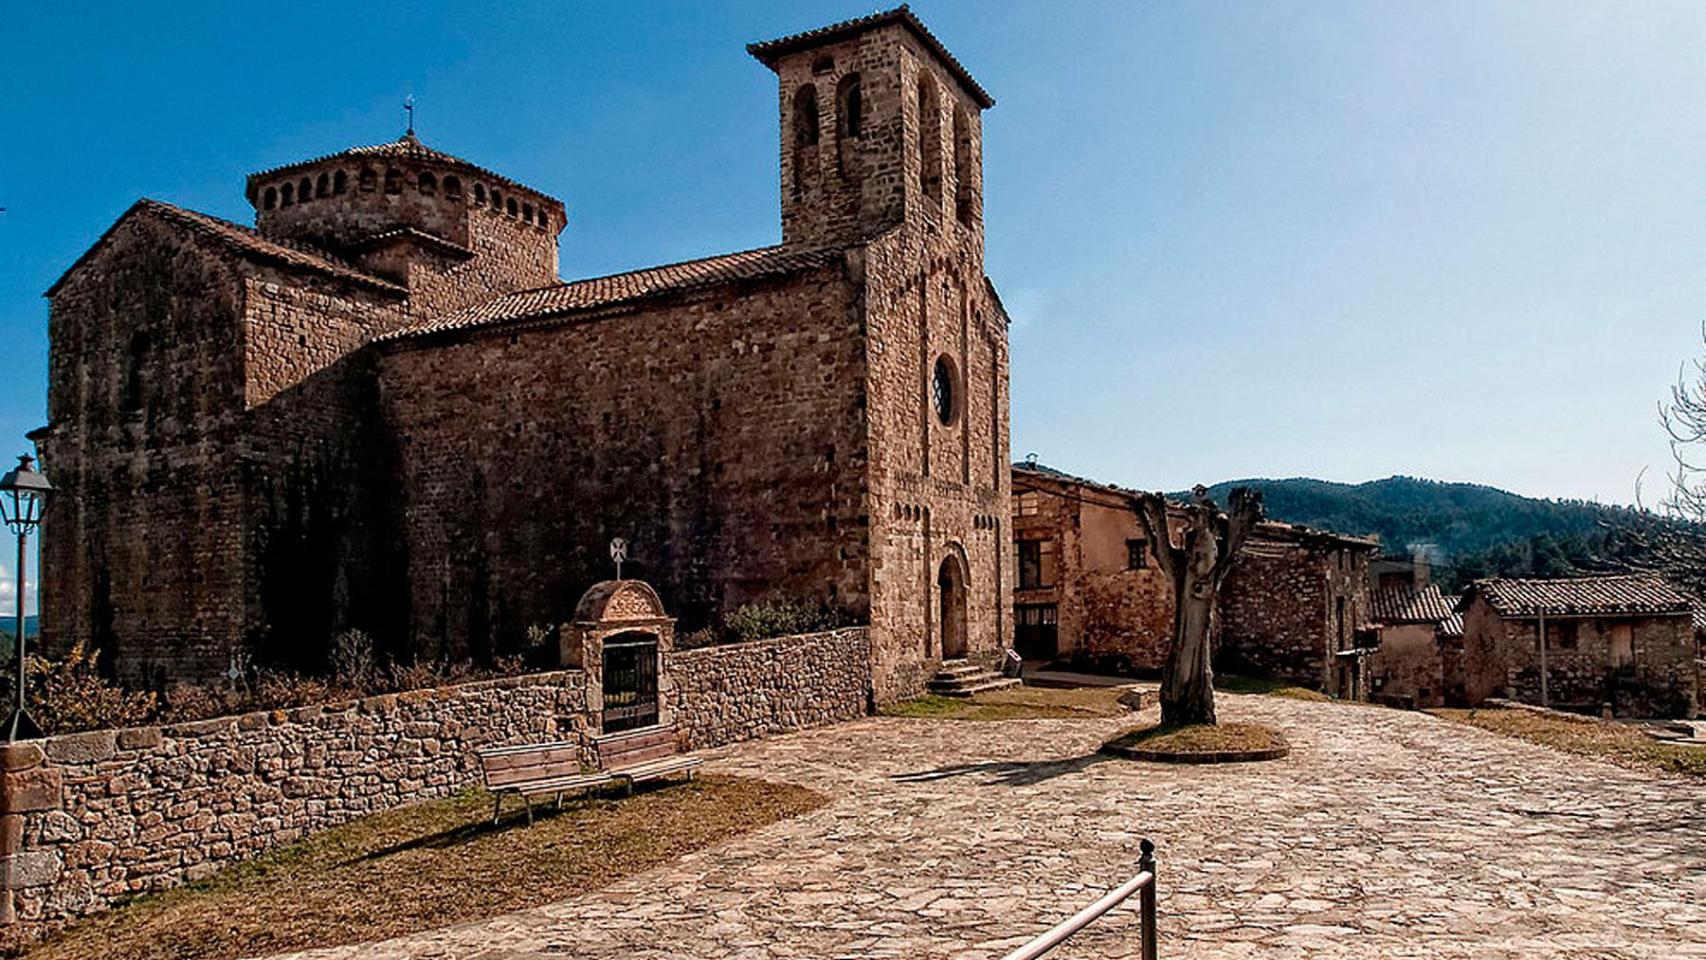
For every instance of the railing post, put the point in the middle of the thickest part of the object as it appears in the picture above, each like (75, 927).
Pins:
(1146, 896)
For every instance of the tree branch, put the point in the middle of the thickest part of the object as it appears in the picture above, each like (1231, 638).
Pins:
(1244, 512)
(1151, 510)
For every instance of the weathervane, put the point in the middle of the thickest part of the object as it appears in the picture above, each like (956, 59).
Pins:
(409, 108)
(618, 553)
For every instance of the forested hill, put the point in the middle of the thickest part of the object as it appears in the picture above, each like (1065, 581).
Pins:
(1478, 530)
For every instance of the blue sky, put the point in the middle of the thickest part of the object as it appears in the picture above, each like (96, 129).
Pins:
(1456, 240)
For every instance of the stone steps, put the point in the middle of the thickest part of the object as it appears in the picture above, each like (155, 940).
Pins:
(959, 678)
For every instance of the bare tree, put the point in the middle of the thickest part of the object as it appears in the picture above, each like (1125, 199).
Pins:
(1684, 418)
(1197, 565)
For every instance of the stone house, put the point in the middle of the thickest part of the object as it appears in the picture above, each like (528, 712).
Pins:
(1625, 642)
(1088, 588)
(1418, 662)
(380, 408)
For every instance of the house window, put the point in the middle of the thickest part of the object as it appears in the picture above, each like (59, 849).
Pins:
(1561, 636)
(1029, 503)
(1136, 554)
(1036, 564)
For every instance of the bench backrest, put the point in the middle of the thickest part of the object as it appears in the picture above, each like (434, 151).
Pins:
(618, 750)
(503, 766)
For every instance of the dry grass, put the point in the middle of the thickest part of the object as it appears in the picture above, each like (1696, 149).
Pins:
(1201, 738)
(1233, 683)
(1622, 745)
(1016, 703)
(422, 867)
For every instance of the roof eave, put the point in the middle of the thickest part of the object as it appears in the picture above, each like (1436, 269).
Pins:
(769, 52)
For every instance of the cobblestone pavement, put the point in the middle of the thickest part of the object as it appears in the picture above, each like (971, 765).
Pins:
(1384, 834)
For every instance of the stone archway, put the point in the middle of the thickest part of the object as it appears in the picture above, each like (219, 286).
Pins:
(951, 606)
(622, 637)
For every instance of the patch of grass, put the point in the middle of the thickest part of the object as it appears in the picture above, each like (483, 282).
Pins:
(1622, 745)
(1016, 703)
(1235, 683)
(423, 867)
(1201, 738)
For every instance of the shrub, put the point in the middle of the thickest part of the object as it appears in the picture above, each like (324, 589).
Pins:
(70, 694)
(781, 618)
(352, 658)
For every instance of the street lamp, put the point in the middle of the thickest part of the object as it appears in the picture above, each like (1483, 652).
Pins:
(23, 497)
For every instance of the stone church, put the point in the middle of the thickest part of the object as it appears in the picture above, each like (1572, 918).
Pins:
(380, 408)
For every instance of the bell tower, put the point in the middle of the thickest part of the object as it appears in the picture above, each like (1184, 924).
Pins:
(880, 126)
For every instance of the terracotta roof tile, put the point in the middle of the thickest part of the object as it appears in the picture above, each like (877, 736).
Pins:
(1582, 596)
(769, 51)
(569, 298)
(1409, 605)
(242, 239)
(1451, 626)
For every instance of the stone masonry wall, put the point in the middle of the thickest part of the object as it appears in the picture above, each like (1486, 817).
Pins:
(142, 548)
(727, 693)
(90, 818)
(1579, 672)
(722, 434)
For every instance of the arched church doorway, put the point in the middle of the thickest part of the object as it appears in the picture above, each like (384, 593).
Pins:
(951, 602)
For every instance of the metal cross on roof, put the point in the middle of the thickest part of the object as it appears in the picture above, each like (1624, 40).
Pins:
(409, 108)
(618, 553)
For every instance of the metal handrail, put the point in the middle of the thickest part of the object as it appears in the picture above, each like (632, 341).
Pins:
(1144, 881)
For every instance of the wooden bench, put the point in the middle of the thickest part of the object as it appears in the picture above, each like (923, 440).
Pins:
(539, 769)
(638, 756)
(536, 769)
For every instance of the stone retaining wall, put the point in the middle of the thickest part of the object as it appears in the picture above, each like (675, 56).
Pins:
(91, 818)
(726, 693)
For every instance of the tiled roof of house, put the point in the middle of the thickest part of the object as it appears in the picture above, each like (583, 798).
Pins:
(1267, 529)
(1581, 596)
(243, 240)
(769, 51)
(582, 295)
(406, 147)
(1451, 626)
(1409, 605)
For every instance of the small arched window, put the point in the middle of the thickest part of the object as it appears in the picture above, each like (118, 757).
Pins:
(510, 206)
(479, 194)
(287, 194)
(369, 180)
(965, 199)
(340, 182)
(544, 220)
(497, 201)
(850, 104)
(305, 192)
(527, 213)
(323, 186)
(269, 199)
(805, 116)
(428, 183)
(393, 180)
(929, 139)
(453, 187)
(130, 395)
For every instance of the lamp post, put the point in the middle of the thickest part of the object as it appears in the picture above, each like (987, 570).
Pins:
(23, 497)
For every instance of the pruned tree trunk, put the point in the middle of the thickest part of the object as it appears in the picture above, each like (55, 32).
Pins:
(1197, 565)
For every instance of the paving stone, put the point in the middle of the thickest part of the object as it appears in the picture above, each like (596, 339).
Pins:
(1384, 834)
